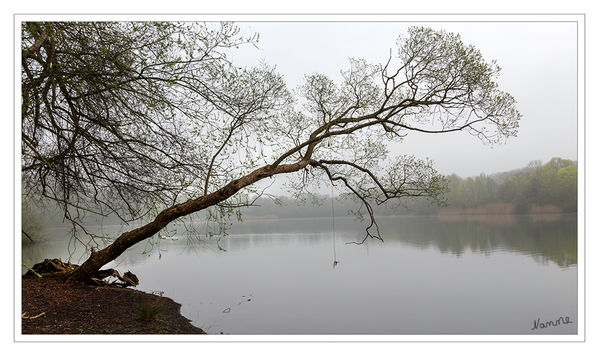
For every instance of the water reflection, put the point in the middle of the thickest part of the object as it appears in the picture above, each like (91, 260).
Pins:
(546, 239)
(431, 276)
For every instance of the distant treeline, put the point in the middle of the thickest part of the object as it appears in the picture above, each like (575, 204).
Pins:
(536, 188)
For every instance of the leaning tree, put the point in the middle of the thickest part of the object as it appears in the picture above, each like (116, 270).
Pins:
(152, 122)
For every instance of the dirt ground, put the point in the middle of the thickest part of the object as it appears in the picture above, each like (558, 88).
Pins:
(52, 306)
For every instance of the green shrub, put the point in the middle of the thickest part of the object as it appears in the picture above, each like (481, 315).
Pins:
(148, 312)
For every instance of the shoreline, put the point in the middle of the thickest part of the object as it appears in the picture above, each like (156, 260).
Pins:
(51, 305)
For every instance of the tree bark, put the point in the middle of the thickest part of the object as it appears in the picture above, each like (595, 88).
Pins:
(98, 259)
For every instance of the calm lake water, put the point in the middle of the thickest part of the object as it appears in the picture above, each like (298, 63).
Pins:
(485, 275)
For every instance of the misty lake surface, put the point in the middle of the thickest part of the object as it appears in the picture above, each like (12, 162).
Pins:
(431, 275)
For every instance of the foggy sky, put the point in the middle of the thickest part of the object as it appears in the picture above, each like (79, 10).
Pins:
(538, 61)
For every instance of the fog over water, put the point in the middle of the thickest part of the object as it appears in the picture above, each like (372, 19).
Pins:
(490, 275)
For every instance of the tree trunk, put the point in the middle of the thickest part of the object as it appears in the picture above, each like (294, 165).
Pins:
(98, 259)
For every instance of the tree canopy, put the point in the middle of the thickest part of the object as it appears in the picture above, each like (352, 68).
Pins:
(121, 116)
(151, 120)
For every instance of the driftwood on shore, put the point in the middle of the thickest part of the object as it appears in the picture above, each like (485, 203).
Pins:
(50, 266)
(56, 266)
(127, 279)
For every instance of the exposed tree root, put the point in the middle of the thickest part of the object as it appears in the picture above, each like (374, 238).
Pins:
(57, 267)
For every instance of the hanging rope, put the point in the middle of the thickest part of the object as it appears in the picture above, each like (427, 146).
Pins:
(335, 262)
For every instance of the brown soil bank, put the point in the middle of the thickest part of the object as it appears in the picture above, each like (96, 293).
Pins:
(53, 306)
